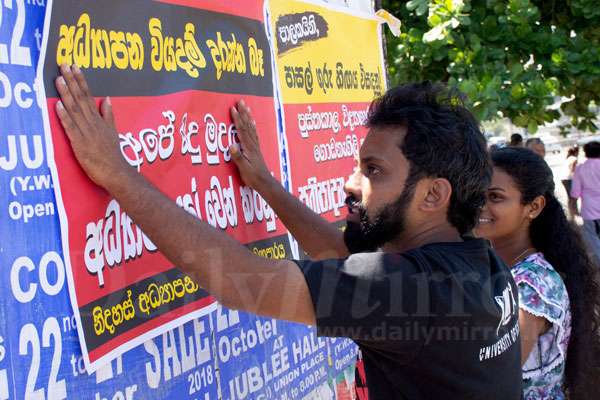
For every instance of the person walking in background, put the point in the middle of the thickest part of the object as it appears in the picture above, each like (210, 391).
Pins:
(559, 296)
(569, 171)
(537, 146)
(586, 185)
(516, 140)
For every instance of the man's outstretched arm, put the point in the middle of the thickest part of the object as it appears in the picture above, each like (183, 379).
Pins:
(226, 269)
(320, 239)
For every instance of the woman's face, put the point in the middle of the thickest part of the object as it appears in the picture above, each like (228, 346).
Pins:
(503, 214)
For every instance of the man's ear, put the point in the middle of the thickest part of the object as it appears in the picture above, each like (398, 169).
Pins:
(438, 194)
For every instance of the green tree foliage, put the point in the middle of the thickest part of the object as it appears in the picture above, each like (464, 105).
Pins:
(511, 57)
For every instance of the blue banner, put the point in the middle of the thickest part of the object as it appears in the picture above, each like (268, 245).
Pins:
(225, 354)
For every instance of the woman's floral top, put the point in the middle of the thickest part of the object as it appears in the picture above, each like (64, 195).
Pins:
(542, 293)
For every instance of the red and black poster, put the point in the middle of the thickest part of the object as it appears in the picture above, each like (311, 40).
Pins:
(172, 70)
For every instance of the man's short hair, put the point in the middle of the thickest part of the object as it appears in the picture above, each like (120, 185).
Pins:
(516, 139)
(592, 149)
(443, 140)
(533, 141)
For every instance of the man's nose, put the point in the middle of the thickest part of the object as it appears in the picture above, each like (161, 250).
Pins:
(353, 184)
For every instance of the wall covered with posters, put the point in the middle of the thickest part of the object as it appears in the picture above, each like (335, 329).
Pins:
(69, 257)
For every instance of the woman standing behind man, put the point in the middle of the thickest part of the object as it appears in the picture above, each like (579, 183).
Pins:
(559, 297)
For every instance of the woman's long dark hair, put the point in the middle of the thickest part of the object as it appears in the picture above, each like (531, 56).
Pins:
(562, 246)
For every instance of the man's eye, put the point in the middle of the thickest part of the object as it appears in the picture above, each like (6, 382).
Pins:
(372, 170)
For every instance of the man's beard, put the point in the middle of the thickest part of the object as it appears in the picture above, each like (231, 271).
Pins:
(368, 236)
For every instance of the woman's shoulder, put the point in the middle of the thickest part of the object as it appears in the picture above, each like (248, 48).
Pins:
(541, 285)
(535, 267)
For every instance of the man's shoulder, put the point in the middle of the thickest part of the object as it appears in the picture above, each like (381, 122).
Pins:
(471, 253)
(591, 164)
(468, 244)
(380, 263)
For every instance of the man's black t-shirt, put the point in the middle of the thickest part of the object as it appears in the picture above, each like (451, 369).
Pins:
(436, 322)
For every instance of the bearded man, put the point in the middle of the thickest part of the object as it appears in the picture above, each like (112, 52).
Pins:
(433, 310)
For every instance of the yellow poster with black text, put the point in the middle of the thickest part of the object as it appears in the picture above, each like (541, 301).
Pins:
(329, 67)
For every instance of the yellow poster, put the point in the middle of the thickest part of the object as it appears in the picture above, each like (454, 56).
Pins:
(324, 54)
(329, 67)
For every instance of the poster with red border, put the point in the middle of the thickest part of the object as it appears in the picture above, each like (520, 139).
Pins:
(172, 70)
(329, 66)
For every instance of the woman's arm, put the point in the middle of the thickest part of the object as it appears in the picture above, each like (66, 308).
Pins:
(531, 327)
